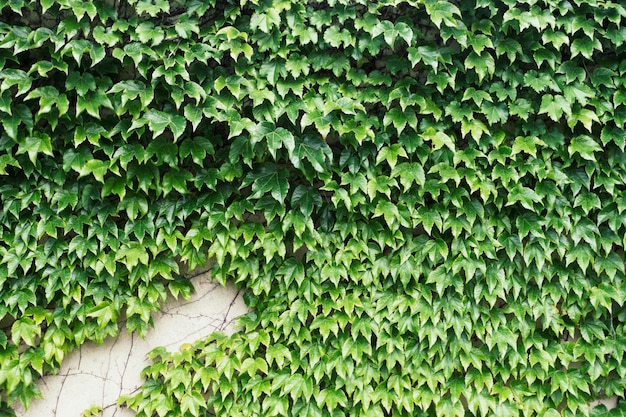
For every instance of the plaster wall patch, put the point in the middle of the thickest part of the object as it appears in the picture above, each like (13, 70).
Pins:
(97, 375)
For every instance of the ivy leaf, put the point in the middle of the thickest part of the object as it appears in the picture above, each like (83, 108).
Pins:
(336, 37)
(320, 119)
(194, 114)
(95, 167)
(442, 11)
(265, 20)
(313, 150)
(554, 106)
(48, 97)
(397, 117)
(153, 7)
(520, 107)
(510, 47)
(584, 116)
(306, 198)
(389, 211)
(25, 329)
(483, 64)
(578, 92)
(410, 173)
(11, 77)
(268, 178)
(158, 121)
(495, 113)
(439, 139)
(82, 83)
(198, 148)
(527, 144)
(391, 154)
(278, 138)
(585, 146)
(479, 42)
(524, 195)
(34, 145)
(430, 55)
(585, 46)
(176, 179)
(587, 201)
(405, 32)
(192, 402)
(92, 103)
(150, 34)
(475, 127)
(297, 64)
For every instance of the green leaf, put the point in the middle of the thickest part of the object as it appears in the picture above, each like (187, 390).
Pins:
(483, 64)
(268, 178)
(278, 138)
(475, 127)
(297, 65)
(585, 146)
(479, 42)
(176, 179)
(520, 107)
(527, 144)
(585, 116)
(336, 37)
(577, 92)
(585, 46)
(306, 198)
(410, 173)
(439, 139)
(390, 154)
(554, 106)
(11, 77)
(158, 121)
(265, 20)
(132, 254)
(92, 102)
(34, 145)
(524, 195)
(442, 11)
(193, 403)
(48, 96)
(134, 205)
(510, 47)
(397, 117)
(495, 113)
(587, 201)
(430, 55)
(313, 150)
(104, 312)
(389, 211)
(152, 7)
(194, 114)
(148, 33)
(198, 147)
(82, 83)
(26, 330)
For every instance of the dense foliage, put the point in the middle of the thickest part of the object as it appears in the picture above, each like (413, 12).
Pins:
(424, 199)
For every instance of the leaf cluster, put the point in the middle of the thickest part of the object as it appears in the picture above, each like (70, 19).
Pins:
(422, 199)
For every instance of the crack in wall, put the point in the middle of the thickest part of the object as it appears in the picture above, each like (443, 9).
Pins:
(99, 375)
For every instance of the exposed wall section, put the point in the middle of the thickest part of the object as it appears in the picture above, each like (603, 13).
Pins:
(96, 376)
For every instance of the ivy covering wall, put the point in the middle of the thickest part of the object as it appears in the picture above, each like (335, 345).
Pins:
(423, 200)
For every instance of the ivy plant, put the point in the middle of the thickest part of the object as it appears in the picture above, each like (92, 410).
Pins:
(423, 200)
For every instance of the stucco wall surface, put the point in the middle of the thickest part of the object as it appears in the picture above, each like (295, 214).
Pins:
(96, 375)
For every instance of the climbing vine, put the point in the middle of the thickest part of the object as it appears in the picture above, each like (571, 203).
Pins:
(423, 200)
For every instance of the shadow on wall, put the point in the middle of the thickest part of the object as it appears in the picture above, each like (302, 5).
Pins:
(97, 375)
